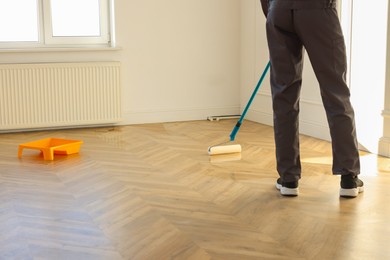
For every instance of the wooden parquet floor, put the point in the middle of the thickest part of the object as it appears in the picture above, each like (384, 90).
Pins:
(152, 192)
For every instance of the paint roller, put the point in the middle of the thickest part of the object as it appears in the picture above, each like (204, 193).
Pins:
(226, 148)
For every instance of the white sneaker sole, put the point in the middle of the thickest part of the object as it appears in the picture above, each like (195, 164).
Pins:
(351, 192)
(287, 191)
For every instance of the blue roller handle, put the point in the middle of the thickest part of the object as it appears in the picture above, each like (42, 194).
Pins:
(239, 122)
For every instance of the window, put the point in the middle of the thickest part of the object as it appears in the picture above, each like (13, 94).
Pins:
(24, 21)
(54, 23)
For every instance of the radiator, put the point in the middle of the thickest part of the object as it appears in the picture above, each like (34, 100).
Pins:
(59, 95)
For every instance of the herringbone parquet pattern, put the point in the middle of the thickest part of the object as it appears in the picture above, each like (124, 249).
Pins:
(152, 192)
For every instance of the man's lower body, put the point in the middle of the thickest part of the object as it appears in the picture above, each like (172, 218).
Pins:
(319, 32)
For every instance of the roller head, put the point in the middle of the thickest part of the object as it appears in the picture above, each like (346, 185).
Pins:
(224, 149)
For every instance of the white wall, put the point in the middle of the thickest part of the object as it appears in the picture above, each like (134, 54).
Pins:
(180, 58)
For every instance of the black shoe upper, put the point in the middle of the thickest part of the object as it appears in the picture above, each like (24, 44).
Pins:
(290, 185)
(350, 182)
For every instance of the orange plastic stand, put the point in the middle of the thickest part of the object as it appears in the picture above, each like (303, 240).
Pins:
(51, 146)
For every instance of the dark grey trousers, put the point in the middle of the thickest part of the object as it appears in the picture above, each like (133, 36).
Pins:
(317, 30)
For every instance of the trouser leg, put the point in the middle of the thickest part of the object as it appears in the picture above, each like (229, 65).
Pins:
(320, 32)
(286, 77)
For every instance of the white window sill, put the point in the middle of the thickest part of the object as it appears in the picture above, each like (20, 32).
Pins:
(59, 49)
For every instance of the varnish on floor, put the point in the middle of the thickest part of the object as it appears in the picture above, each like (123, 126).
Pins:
(152, 192)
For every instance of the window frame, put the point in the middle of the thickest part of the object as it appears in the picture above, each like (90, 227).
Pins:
(47, 40)
(72, 40)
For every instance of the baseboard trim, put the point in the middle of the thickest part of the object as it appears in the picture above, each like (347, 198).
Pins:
(176, 115)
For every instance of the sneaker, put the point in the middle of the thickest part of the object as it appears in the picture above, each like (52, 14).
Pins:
(287, 188)
(351, 186)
